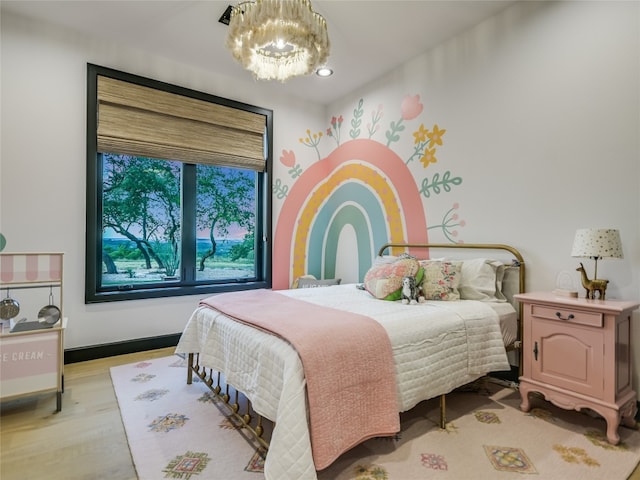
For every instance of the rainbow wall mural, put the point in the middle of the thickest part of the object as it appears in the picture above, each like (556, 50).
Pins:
(362, 184)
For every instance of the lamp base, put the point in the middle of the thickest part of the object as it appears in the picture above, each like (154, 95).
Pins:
(592, 286)
(591, 292)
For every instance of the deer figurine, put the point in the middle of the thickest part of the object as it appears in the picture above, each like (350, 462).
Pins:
(592, 286)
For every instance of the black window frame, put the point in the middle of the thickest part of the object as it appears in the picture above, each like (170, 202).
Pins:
(94, 180)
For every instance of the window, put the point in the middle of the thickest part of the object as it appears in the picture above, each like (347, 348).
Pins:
(178, 190)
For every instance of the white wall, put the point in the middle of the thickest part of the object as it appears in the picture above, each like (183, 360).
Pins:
(542, 109)
(43, 158)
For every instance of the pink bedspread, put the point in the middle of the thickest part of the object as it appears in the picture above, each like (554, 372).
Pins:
(347, 361)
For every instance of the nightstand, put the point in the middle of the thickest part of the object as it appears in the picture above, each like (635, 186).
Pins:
(577, 353)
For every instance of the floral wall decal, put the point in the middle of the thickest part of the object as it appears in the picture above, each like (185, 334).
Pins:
(363, 185)
(410, 109)
(356, 122)
(312, 140)
(437, 183)
(334, 131)
(423, 138)
(450, 221)
(376, 116)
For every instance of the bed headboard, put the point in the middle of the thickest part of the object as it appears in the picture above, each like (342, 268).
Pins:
(419, 249)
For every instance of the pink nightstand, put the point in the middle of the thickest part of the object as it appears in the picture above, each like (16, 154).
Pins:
(577, 353)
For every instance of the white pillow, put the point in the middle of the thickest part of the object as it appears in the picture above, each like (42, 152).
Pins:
(481, 279)
(511, 283)
(384, 259)
(313, 283)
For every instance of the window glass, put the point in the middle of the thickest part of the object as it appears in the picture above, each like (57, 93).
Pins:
(226, 213)
(141, 220)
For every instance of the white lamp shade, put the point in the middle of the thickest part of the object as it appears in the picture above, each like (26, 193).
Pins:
(597, 243)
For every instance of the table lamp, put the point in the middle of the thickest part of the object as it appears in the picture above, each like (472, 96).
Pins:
(596, 244)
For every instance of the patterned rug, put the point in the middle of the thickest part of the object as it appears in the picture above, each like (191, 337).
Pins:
(176, 431)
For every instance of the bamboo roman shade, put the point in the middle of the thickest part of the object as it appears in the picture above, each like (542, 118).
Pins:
(144, 121)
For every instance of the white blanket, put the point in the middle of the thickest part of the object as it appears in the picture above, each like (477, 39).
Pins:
(437, 347)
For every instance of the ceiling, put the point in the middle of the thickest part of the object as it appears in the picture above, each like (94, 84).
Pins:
(368, 38)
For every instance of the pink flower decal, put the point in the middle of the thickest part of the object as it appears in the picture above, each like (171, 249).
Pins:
(336, 124)
(288, 158)
(411, 107)
(450, 222)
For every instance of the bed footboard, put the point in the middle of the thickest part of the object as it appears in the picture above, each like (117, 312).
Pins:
(249, 421)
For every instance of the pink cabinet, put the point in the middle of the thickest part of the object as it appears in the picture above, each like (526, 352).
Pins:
(577, 353)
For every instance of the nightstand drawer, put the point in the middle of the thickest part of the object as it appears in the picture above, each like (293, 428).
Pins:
(591, 319)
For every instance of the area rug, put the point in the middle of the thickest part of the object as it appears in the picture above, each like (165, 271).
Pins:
(177, 431)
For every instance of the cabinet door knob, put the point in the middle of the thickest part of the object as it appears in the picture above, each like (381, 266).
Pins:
(559, 315)
(535, 350)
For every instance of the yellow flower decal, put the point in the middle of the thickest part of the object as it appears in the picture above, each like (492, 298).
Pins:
(428, 157)
(436, 135)
(312, 140)
(423, 138)
(420, 135)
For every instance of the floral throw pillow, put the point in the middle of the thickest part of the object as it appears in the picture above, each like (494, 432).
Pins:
(384, 280)
(440, 280)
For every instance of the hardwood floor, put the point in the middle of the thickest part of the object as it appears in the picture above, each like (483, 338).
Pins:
(86, 440)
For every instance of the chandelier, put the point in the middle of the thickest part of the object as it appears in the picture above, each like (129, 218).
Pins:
(278, 39)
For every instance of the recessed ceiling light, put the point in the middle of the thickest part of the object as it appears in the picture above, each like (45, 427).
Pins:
(324, 72)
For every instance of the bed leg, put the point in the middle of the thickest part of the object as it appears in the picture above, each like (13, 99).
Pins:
(235, 406)
(190, 369)
(246, 418)
(443, 412)
(226, 395)
(259, 429)
(217, 388)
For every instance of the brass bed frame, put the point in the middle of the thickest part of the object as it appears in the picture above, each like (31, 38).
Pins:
(253, 423)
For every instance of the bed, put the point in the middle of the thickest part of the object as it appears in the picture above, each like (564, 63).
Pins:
(434, 347)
